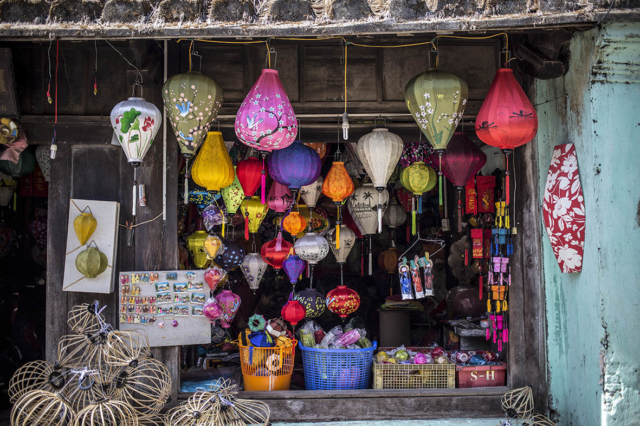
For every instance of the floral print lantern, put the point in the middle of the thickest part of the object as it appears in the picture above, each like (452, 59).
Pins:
(312, 301)
(343, 301)
(230, 303)
(231, 257)
(253, 269)
(135, 123)
(312, 248)
(192, 101)
(254, 213)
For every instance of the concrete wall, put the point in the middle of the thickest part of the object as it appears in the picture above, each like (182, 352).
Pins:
(592, 317)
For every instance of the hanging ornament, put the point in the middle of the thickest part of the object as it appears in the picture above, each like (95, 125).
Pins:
(195, 243)
(462, 160)
(293, 266)
(135, 123)
(319, 147)
(253, 269)
(214, 277)
(343, 301)
(25, 165)
(363, 209)
(279, 198)
(212, 216)
(293, 312)
(294, 166)
(310, 193)
(347, 241)
(338, 186)
(43, 158)
(380, 152)
(192, 101)
(436, 99)
(257, 323)
(212, 168)
(91, 262)
(294, 223)
(232, 196)
(85, 224)
(312, 301)
(254, 213)
(318, 224)
(231, 257)
(312, 248)
(418, 178)
(506, 118)
(213, 245)
(249, 174)
(275, 257)
(212, 310)
(230, 304)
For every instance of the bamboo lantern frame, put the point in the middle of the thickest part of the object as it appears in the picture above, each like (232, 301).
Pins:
(126, 348)
(106, 413)
(518, 403)
(156, 420)
(196, 411)
(40, 408)
(538, 420)
(83, 319)
(87, 387)
(77, 350)
(35, 375)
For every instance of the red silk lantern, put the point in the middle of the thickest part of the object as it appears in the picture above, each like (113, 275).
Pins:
(460, 162)
(507, 118)
(337, 186)
(272, 255)
(293, 311)
(249, 174)
(343, 301)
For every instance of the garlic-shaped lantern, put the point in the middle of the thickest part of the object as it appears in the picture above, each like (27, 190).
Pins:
(253, 268)
(91, 262)
(347, 240)
(310, 193)
(135, 123)
(85, 224)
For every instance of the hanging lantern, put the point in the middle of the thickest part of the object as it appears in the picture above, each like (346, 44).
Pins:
(413, 152)
(318, 224)
(212, 245)
(293, 266)
(293, 312)
(214, 277)
(319, 147)
(43, 156)
(294, 166)
(254, 213)
(195, 243)
(388, 260)
(506, 118)
(200, 197)
(395, 215)
(265, 120)
(379, 152)
(249, 174)
(231, 257)
(91, 262)
(230, 303)
(436, 99)
(84, 224)
(405, 198)
(25, 165)
(312, 301)
(310, 193)
(294, 223)
(312, 248)
(253, 269)
(460, 163)
(213, 216)
(192, 101)
(418, 178)
(135, 123)
(343, 301)
(212, 310)
(232, 196)
(347, 241)
(275, 257)
(279, 198)
(338, 186)
(212, 168)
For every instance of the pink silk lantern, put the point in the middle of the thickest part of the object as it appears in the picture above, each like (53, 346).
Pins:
(230, 304)
(279, 198)
(212, 310)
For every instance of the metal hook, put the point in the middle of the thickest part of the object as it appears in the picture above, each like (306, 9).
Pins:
(382, 120)
(272, 51)
(138, 83)
(337, 156)
(195, 53)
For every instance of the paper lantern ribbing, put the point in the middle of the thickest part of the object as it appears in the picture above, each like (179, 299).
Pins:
(293, 266)
(279, 198)
(310, 193)
(418, 178)
(265, 120)
(294, 166)
(107, 413)
(347, 241)
(293, 312)
(232, 196)
(212, 168)
(312, 301)
(253, 269)
(254, 213)
(35, 375)
(312, 248)
(83, 319)
(91, 262)
(273, 256)
(343, 301)
(135, 123)
(380, 152)
(231, 257)
(294, 223)
(192, 101)
(195, 244)
(230, 303)
(249, 174)
(84, 224)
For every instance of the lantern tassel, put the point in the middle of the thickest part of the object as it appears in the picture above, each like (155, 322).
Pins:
(440, 180)
(379, 211)
(279, 241)
(224, 220)
(263, 182)
(338, 229)
(362, 258)
(186, 182)
(246, 226)
(459, 211)
(420, 204)
(370, 258)
(413, 217)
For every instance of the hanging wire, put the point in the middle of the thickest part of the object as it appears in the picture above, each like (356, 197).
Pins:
(128, 62)
(95, 81)
(49, 84)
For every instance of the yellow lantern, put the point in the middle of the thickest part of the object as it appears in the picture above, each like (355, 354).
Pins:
(85, 224)
(254, 213)
(195, 244)
(418, 178)
(213, 168)
(212, 245)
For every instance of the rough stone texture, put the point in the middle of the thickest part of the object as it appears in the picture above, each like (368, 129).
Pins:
(26, 11)
(407, 9)
(288, 10)
(231, 11)
(126, 11)
(75, 10)
(179, 10)
(349, 9)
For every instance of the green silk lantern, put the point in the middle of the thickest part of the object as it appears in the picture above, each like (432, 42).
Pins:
(418, 178)
(25, 165)
(436, 99)
(233, 195)
(91, 262)
(192, 101)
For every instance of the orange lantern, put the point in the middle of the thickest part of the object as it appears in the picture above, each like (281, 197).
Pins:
(321, 148)
(294, 223)
(338, 186)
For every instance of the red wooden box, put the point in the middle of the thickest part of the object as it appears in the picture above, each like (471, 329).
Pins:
(481, 376)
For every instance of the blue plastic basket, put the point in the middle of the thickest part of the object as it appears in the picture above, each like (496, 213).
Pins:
(334, 369)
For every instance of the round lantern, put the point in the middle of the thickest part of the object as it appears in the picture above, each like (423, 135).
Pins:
(230, 303)
(195, 244)
(293, 266)
(212, 168)
(312, 248)
(310, 193)
(274, 256)
(254, 213)
(212, 245)
(363, 209)
(192, 101)
(418, 178)
(212, 310)
(253, 268)
(279, 198)
(343, 301)
(318, 223)
(347, 241)
(294, 166)
(338, 186)
(135, 123)
(312, 301)
(25, 165)
(91, 262)
(232, 196)
(294, 223)
(460, 163)
(388, 260)
(265, 120)
(231, 257)
(249, 174)
(395, 215)
(293, 312)
(319, 147)
(43, 156)
(379, 152)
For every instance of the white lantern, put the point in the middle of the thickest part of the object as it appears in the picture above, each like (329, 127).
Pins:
(395, 215)
(310, 193)
(312, 248)
(135, 123)
(347, 240)
(253, 269)
(379, 152)
(43, 155)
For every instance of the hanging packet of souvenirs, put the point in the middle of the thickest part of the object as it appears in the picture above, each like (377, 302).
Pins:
(415, 277)
(471, 197)
(485, 188)
(405, 281)
(427, 264)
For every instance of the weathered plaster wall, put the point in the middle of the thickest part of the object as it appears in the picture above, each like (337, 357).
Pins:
(592, 317)
(449, 422)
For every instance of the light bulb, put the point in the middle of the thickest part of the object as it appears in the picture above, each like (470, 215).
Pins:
(345, 126)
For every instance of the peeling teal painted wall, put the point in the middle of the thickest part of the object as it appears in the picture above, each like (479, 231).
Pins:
(592, 317)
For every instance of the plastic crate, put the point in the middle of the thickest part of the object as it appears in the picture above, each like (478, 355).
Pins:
(337, 369)
(481, 376)
(265, 369)
(414, 376)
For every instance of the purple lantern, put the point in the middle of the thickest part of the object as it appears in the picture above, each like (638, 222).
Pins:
(266, 120)
(293, 266)
(295, 166)
(230, 304)
(279, 198)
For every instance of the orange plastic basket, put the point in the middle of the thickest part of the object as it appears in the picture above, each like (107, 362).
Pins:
(265, 369)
